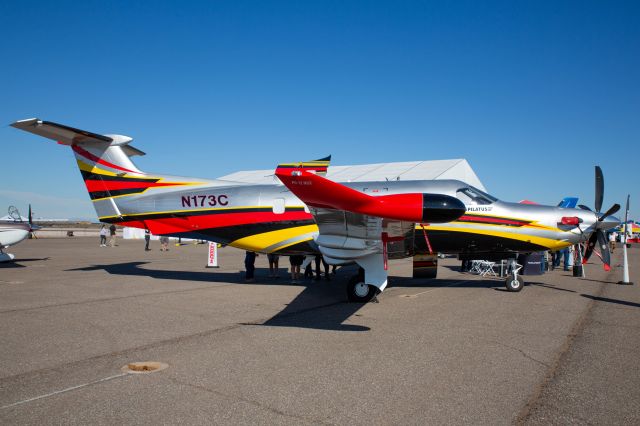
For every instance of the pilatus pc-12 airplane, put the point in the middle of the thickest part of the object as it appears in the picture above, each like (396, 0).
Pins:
(364, 222)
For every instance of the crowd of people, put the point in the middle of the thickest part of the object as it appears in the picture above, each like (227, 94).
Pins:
(110, 231)
(295, 261)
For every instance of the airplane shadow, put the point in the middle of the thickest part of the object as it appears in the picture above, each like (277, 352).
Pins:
(598, 281)
(321, 305)
(17, 263)
(616, 301)
(549, 286)
(408, 282)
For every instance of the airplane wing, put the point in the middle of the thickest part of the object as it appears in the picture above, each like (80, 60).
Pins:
(358, 227)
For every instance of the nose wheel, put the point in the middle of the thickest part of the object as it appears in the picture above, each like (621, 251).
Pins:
(514, 281)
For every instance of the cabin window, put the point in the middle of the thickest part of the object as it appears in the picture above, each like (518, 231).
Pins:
(278, 205)
(471, 195)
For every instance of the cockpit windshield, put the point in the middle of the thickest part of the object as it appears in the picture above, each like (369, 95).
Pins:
(471, 195)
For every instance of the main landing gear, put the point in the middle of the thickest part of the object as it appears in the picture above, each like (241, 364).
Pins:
(5, 257)
(514, 281)
(360, 292)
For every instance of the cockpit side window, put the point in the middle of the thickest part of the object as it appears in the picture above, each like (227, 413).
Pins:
(471, 195)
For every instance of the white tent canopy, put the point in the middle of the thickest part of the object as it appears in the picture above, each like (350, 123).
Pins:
(458, 169)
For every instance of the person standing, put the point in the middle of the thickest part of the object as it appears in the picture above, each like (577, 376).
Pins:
(320, 259)
(562, 254)
(103, 235)
(249, 265)
(612, 240)
(112, 233)
(164, 243)
(147, 238)
(273, 265)
(295, 261)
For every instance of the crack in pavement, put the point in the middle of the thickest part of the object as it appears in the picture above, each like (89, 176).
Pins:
(526, 355)
(576, 330)
(248, 401)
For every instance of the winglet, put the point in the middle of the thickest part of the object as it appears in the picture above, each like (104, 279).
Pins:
(318, 167)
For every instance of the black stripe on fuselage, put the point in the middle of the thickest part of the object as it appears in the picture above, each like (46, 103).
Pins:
(187, 214)
(461, 242)
(95, 176)
(228, 234)
(491, 220)
(96, 195)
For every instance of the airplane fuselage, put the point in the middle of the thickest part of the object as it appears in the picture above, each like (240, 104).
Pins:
(13, 232)
(269, 218)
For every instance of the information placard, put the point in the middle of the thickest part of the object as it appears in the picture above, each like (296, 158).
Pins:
(212, 255)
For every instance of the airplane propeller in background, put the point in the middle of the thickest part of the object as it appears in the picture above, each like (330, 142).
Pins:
(601, 225)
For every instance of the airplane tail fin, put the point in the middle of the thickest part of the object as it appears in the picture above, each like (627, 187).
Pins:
(104, 161)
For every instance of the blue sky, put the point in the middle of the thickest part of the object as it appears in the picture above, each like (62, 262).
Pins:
(533, 94)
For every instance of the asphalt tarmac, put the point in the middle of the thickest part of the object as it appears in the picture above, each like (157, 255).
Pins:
(457, 350)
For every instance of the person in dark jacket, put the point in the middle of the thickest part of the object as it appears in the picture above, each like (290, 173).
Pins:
(249, 264)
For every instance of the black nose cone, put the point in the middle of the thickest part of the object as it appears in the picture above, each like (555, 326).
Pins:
(440, 208)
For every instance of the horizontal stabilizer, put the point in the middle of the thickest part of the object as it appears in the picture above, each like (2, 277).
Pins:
(71, 136)
(320, 192)
(318, 167)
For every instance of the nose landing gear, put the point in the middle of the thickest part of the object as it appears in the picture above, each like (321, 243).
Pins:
(514, 281)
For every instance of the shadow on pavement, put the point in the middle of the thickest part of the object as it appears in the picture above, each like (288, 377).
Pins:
(16, 263)
(321, 304)
(616, 301)
(549, 286)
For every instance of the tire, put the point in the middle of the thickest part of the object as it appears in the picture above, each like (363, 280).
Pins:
(360, 292)
(514, 284)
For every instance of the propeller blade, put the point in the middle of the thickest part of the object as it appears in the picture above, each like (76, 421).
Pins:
(583, 207)
(604, 250)
(30, 218)
(614, 208)
(590, 245)
(599, 188)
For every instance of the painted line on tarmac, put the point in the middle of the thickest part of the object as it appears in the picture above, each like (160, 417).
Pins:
(35, 398)
(411, 296)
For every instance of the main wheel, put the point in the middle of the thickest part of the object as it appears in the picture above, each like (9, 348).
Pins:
(360, 292)
(514, 284)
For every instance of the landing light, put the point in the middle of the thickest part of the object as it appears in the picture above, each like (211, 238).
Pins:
(570, 220)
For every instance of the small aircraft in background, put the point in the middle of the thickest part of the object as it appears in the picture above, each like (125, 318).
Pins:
(13, 230)
(305, 213)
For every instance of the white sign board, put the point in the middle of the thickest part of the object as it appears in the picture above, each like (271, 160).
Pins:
(212, 255)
